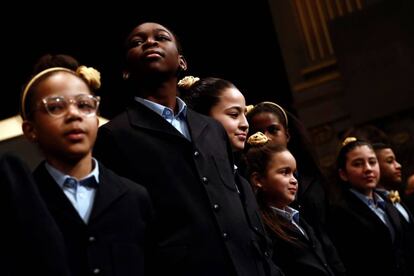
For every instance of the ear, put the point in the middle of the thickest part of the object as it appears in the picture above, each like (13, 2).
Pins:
(342, 175)
(255, 179)
(29, 131)
(183, 63)
(287, 135)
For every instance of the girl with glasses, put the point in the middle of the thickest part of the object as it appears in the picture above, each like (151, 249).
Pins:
(101, 215)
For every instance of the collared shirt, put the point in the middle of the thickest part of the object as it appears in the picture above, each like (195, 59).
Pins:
(377, 205)
(81, 197)
(179, 121)
(291, 215)
(397, 205)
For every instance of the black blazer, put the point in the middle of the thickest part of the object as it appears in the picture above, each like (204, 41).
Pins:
(203, 226)
(31, 243)
(363, 241)
(306, 256)
(112, 243)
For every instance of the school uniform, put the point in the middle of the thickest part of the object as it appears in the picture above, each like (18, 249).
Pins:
(367, 243)
(304, 255)
(31, 243)
(203, 225)
(111, 239)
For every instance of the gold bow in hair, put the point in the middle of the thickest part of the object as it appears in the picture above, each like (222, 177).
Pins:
(249, 108)
(187, 82)
(394, 196)
(348, 140)
(257, 139)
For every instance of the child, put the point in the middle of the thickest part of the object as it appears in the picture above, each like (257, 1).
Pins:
(102, 216)
(365, 228)
(297, 249)
(203, 226)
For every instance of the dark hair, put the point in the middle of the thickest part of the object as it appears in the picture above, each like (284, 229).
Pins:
(267, 107)
(345, 149)
(44, 62)
(257, 160)
(204, 94)
(299, 145)
(380, 146)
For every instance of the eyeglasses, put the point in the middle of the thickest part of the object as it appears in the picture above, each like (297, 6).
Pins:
(57, 106)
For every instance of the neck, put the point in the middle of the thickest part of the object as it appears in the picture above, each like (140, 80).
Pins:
(163, 93)
(77, 168)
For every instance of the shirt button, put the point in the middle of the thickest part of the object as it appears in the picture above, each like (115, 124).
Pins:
(196, 153)
(216, 207)
(96, 271)
(256, 228)
(204, 180)
(225, 235)
(92, 239)
(266, 253)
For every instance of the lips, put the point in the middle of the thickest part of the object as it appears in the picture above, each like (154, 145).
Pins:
(153, 53)
(75, 134)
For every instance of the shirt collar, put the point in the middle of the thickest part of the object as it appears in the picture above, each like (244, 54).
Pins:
(369, 201)
(288, 213)
(163, 110)
(60, 177)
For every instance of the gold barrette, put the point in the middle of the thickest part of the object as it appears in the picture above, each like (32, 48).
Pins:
(187, 82)
(258, 139)
(249, 108)
(348, 140)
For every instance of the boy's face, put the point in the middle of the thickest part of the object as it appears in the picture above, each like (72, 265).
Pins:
(390, 169)
(68, 137)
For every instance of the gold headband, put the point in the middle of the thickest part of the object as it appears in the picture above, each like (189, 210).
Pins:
(281, 109)
(33, 80)
(89, 74)
(250, 108)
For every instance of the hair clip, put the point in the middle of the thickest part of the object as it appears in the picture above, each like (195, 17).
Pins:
(249, 108)
(187, 82)
(258, 139)
(348, 140)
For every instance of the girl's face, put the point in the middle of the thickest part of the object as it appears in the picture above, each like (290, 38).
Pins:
(70, 136)
(230, 112)
(279, 184)
(153, 48)
(390, 169)
(270, 125)
(361, 169)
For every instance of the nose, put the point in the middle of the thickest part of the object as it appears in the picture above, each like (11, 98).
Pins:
(293, 180)
(244, 125)
(72, 109)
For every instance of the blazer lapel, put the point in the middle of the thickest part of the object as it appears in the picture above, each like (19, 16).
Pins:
(196, 124)
(142, 117)
(54, 196)
(109, 190)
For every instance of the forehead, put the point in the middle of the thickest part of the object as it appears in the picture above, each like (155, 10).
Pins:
(265, 119)
(232, 96)
(284, 158)
(61, 83)
(363, 151)
(383, 153)
(149, 28)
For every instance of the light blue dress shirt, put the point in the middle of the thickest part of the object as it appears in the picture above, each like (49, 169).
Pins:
(179, 120)
(81, 197)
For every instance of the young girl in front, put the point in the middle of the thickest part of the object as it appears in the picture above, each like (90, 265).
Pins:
(296, 248)
(102, 216)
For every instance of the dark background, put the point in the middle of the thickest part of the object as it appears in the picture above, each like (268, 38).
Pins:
(231, 39)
